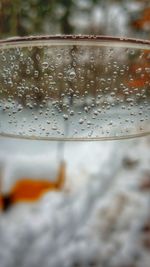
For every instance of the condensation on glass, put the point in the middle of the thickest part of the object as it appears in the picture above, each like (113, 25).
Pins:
(74, 88)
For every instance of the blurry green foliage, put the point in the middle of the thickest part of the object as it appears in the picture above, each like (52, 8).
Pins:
(33, 17)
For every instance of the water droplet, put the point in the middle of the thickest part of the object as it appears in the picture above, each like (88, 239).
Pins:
(139, 70)
(59, 56)
(60, 75)
(81, 121)
(3, 58)
(89, 123)
(45, 65)
(65, 116)
(71, 74)
(28, 71)
(20, 107)
(71, 113)
(36, 73)
(86, 109)
(147, 70)
(54, 128)
(95, 112)
(112, 94)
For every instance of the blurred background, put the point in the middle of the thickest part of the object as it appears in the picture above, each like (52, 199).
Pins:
(107, 17)
(95, 200)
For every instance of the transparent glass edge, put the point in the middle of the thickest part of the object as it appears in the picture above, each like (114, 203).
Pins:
(76, 139)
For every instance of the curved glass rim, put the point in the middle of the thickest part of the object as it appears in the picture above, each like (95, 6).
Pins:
(77, 139)
(94, 39)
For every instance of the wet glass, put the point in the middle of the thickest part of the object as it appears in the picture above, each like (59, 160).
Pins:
(74, 88)
(55, 89)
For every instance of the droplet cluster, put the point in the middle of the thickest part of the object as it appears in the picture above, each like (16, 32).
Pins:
(70, 91)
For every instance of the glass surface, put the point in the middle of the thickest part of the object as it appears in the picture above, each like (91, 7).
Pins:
(74, 204)
(74, 87)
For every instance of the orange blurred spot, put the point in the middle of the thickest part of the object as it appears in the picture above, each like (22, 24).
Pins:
(28, 190)
(144, 21)
(1, 202)
(137, 83)
(138, 70)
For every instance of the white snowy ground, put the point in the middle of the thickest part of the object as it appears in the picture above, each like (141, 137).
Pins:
(97, 220)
